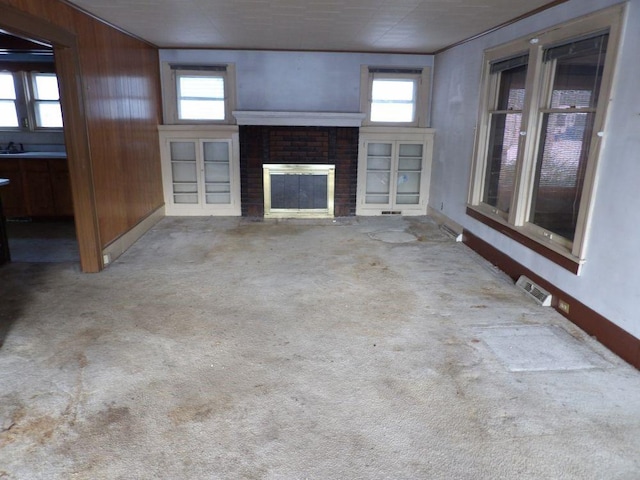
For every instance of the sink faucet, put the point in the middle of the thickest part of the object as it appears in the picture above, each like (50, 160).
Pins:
(13, 148)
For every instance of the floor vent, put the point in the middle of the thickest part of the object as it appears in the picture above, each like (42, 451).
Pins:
(391, 212)
(539, 294)
(451, 232)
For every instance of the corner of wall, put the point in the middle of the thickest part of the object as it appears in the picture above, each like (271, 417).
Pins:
(117, 247)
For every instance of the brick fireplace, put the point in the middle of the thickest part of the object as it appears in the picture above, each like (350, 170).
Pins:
(298, 145)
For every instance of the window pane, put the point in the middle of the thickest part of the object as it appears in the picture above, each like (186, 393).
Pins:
(391, 112)
(378, 183)
(379, 149)
(511, 93)
(45, 87)
(410, 150)
(577, 85)
(201, 109)
(8, 115)
(7, 87)
(504, 135)
(501, 164)
(183, 151)
(48, 115)
(560, 171)
(201, 87)
(393, 90)
(216, 152)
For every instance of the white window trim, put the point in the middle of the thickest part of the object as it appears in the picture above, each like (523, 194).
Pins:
(609, 19)
(170, 96)
(422, 94)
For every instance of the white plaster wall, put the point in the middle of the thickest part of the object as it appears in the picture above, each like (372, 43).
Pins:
(610, 280)
(296, 81)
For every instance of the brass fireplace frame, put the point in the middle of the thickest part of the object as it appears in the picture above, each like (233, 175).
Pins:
(299, 169)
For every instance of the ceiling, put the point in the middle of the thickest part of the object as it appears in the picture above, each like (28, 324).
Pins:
(408, 26)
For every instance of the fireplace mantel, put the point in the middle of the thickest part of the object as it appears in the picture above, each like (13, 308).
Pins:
(299, 119)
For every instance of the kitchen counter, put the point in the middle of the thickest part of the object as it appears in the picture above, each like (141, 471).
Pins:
(34, 155)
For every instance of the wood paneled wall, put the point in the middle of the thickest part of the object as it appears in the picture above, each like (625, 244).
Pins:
(120, 82)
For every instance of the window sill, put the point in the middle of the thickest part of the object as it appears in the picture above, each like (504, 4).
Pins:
(552, 252)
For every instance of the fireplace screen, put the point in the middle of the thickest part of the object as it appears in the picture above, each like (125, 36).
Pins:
(298, 190)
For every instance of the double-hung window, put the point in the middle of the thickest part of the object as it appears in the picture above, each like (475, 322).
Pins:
(394, 96)
(540, 127)
(29, 100)
(199, 94)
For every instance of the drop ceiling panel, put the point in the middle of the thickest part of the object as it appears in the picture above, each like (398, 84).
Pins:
(419, 26)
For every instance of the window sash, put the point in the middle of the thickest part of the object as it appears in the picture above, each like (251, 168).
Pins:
(44, 86)
(503, 142)
(566, 118)
(48, 114)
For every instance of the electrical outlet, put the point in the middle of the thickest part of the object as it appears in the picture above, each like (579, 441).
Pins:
(564, 306)
(106, 259)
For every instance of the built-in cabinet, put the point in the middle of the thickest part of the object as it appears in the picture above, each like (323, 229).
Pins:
(200, 170)
(39, 187)
(394, 169)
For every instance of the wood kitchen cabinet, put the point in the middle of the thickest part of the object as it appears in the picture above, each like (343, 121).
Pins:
(61, 187)
(12, 194)
(38, 192)
(39, 187)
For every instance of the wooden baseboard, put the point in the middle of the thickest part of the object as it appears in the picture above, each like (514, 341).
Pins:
(606, 332)
(122, 243)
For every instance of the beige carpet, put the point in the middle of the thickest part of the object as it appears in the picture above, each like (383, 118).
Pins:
(347, 349)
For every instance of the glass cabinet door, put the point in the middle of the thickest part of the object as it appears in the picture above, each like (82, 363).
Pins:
(379, 170)
(217, 172)
(393, 171)
(184, 172)
(409, 174)
(200, 170)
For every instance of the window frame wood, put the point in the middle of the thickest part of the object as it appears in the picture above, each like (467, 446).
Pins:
(537, 87)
